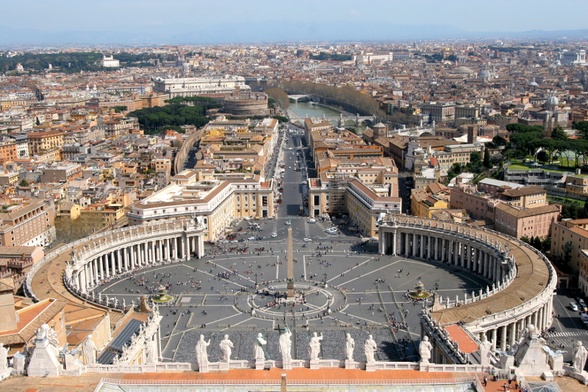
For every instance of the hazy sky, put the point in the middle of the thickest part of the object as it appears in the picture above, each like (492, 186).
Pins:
(241, 18)
(468, 15)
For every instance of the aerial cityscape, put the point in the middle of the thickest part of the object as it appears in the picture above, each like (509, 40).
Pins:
(323, 196)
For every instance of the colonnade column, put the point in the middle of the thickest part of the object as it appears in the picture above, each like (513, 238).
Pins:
(95, 270)
(394, 240)
(503, 332)
(512, 333)
(160, 248)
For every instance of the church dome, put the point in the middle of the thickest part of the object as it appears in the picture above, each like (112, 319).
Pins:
(463, 70)
(485, 74)
(552, 101)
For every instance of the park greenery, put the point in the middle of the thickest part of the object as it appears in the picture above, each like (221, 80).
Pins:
(530, 141)
(71, 62)
(179, 111)
(323, 56)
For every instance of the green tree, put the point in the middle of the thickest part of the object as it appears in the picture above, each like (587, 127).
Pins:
(567, 253)
(559, 134)
(499, 141)
(279, 95)
(475, 157)
(24, 183)
(487, 157)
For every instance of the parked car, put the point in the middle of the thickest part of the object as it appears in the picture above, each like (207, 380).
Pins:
(574, 306)
(307, 240)
(274, 235)
(312, 220)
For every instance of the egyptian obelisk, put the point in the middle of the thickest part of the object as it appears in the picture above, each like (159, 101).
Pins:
(290, 260)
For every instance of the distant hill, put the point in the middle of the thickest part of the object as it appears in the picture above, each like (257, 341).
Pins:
(261, 32)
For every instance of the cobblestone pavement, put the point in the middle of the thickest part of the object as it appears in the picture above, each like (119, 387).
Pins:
(365, 294)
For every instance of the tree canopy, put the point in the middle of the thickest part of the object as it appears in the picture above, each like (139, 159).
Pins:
(155, 120)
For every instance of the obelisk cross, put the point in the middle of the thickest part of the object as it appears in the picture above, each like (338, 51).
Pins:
(290, 278)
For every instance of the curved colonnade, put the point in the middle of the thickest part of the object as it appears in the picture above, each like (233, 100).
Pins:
(101, 257)
(521, 280)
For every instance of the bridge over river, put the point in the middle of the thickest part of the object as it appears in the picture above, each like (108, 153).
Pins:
(347, 118)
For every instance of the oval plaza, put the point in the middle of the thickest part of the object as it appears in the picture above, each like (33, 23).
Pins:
(520, 281)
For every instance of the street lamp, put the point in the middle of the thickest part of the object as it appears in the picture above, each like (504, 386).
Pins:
(325, 281)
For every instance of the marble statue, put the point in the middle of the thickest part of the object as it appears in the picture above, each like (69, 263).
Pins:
(226, 347)
(69, 358)
(580, 354)
(201, 351)
(90, 350)
(485, 349)
(370, 348)
(259, 347)
(314, 346)
(151, 351)
(349, 347)
(285, 342)
(3, 357)
(425, 349)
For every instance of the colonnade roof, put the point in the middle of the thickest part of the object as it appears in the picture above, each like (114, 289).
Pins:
(532, 278)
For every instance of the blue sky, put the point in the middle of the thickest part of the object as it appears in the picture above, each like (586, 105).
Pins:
(180, 16)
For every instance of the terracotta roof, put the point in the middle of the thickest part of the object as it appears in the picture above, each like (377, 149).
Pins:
(518, 212)
(524, 191)
(464, 341)
(29, 321)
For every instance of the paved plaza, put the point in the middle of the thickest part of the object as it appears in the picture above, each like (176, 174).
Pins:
(236, 290)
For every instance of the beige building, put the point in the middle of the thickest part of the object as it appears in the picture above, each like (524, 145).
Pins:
(27, 222)
(189, 87)
(439, 112)
(44, 141)
(217, 202)
(577, 184)
(366, 206)
(433, 198)
(525, 222)
(583, 272)
(520, 211)
(477, 204)
(570, 236)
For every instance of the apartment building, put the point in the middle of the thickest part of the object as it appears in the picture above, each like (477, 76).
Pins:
(8, 151)
(27, 222)
(61, 173)
(43, 141)
(425, 202)
(439, 112)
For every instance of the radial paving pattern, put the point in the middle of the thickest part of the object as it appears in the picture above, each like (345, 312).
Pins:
(244, 294)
